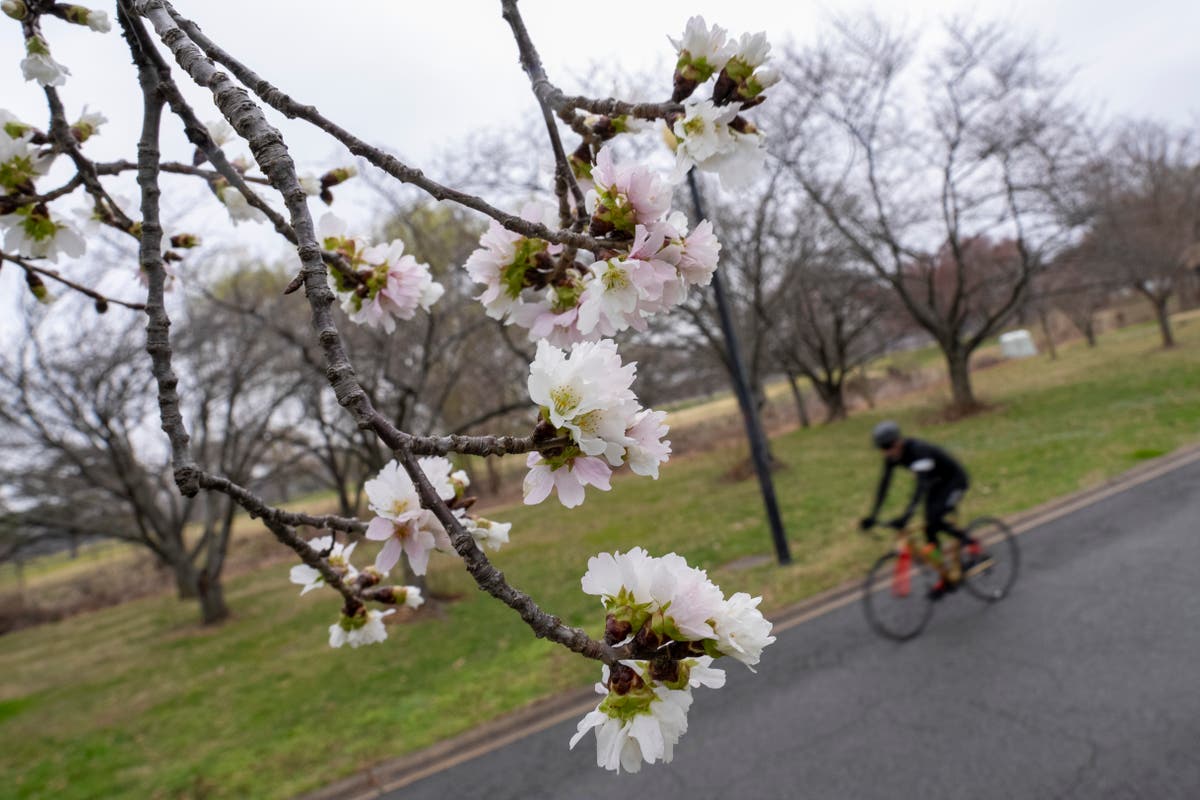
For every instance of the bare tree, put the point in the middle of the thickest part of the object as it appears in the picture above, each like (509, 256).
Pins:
(832, 325)
(1076, 285)
(912, 172)
(85, 464)
(1146, 212)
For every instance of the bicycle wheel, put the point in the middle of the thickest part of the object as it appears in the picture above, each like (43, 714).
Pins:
(993, 575)
(896, 598)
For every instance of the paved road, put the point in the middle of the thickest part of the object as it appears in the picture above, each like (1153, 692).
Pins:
(1085, 683)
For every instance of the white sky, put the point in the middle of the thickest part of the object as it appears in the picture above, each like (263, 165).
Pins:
(417, 76)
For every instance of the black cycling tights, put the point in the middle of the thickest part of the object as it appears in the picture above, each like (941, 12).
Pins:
(940, 501)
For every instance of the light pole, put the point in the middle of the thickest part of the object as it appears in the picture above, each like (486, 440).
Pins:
(741, 387)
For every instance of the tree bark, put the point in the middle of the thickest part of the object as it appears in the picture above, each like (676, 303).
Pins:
(212, 600)
(1089, 331)
(1047, 334)
(958, 363)
(1164, 321)
(834, 399)
(186, 578)
(798, 396)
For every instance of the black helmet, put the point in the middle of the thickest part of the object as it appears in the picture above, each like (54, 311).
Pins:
(885, 434)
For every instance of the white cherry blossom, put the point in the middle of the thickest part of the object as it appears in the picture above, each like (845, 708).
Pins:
(742, 631)
(364, 628)
(339, 558)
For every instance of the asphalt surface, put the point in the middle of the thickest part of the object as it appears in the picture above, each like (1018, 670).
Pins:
(1084, 683)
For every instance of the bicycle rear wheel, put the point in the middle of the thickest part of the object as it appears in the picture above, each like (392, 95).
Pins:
(896, 596)
(992, 577)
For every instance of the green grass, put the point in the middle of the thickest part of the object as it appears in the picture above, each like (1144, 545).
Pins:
(137, 701)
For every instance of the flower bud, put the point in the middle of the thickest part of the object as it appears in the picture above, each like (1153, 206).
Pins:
(101, 305)
(623, 679)
(87, 126)
(15, 9)
(185, 241)
(339, 175)
(37, 287)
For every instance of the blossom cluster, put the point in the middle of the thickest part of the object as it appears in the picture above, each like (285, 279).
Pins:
(586, 399)
(387, 283)
(38, 65)
(405, 527)
(649, 262)
(363, 626)
(680, 621)
(711, 134)
(30, 230)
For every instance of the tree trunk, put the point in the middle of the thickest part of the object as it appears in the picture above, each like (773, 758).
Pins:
(958, 364)
(868, 391)
(798, 396)
(1047, 334)
(1089, 331)
(212, 599)
(1164, 321)
(186, 578)
(834, 399)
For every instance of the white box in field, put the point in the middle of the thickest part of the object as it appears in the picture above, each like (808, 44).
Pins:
(1017, 344)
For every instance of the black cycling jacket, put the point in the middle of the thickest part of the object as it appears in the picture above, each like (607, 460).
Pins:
(932, 466)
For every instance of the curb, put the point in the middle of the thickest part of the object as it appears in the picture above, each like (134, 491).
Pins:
(397, 773)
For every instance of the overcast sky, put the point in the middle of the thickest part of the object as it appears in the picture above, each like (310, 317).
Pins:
(415, 76)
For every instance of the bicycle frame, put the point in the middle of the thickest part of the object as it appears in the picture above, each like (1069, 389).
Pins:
(950, 571)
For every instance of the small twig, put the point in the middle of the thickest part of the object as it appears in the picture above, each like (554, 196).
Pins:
(482, 445)
(564, 176)
(60, 132)
(388, 163)
(258, 508)
(287, 536)
(54, 275)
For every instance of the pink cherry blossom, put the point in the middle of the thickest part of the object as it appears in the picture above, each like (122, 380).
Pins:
(628, 194)
(569, 479)
(701, 250)
(648, 448)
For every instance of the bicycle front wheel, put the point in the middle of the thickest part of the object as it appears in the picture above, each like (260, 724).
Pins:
(995, 571)
(896, 596)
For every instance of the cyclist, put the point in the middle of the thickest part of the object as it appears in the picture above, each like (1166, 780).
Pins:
(941, 483)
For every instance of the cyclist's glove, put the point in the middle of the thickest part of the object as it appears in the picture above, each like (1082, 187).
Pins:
(899, 523)
(866, 523)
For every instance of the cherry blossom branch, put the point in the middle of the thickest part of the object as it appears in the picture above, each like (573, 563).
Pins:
(292, 109)
(258, 508)
(198, 135)
(550, 95)
(288, 536)
(271, 153)
(269, 150)
(492, 581)
(60, 133)
(174, 167)
(11, 202)
(102, 301)
(482, 445)
(564, 176)
(158, 343)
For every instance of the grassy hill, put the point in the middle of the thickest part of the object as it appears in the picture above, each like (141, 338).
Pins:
(139, 701)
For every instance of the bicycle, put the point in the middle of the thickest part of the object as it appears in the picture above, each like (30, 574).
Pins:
(896, 592)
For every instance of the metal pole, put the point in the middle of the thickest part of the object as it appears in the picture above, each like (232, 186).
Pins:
(741, 387)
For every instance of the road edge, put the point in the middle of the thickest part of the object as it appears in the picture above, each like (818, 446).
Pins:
(397, 773)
